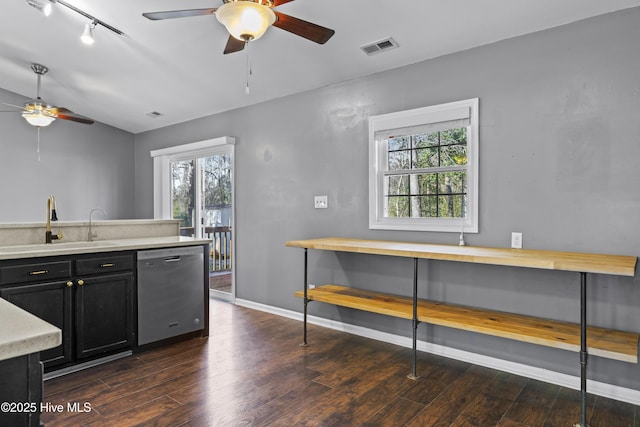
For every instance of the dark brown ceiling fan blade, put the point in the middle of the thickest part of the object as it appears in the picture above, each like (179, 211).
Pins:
(65, 114)
(279, 2)
(77, 119)
(233, 45)
(171, 14)
(301, 28)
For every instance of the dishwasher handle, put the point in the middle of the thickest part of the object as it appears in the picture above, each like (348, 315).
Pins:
(175, 258)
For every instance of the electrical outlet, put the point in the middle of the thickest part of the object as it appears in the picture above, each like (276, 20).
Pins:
(516, 240)
(311, 286)
(320, 202)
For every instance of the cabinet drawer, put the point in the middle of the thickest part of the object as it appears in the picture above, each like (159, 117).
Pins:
(104, 264)
(40, 272)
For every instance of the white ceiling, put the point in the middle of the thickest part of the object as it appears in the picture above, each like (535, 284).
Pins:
(176, 67)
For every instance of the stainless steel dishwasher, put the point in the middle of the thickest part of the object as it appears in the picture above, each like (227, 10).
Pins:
(171, 294)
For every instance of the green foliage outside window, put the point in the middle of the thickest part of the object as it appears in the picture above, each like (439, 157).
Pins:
(427, 175)
(216, 186)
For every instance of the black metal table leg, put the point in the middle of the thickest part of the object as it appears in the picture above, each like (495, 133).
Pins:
(306, 300)
(414, 375)
(584, 355)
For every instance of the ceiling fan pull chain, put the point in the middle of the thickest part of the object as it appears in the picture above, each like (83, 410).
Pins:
(246, 48)
(38, 150)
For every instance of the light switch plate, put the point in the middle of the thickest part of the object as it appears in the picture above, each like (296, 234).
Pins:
(320, 202)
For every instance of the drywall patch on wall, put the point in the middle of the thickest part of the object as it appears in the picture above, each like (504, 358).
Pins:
(349, 117)
(583, 161)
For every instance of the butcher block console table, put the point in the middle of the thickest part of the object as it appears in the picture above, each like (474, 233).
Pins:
(578, 337)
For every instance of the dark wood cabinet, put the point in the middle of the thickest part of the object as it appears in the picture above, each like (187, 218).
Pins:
(40, 271)
(51, 302)
(89, 297)
(21, 390)
(103, 313)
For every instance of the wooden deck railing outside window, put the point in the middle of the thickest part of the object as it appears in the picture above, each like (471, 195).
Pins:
(221, 246)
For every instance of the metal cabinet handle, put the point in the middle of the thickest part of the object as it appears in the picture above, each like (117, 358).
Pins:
(69, 283)
(36, 273)
(109, 264)
(80, 282)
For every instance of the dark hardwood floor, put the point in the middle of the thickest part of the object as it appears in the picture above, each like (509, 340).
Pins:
(251, 371)
(220, 281)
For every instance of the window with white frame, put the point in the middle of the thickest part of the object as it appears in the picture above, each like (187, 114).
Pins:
(168, 161)
(424, 168)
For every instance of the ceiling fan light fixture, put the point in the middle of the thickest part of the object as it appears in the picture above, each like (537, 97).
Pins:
(245, 19)
(87, 34)
(38, 118)
(44, 6)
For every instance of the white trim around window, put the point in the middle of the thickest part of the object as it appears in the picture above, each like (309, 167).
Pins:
(383, 128)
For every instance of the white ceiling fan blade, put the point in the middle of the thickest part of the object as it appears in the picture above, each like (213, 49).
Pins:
(14, 106)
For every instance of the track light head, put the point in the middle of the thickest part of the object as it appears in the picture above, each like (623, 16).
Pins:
(44, 6)
(87, 34)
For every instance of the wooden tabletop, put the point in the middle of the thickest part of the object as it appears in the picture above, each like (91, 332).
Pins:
(619, 265)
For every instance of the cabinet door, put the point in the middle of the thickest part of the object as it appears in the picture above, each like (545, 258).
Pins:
(103, 314)
(52, 303)
(21, 384)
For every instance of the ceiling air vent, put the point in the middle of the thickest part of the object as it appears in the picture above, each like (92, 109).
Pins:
(153, 114)
(379, 46)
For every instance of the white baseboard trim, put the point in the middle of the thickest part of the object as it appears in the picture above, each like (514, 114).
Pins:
(593, 387)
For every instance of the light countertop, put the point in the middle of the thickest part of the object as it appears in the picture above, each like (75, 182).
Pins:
(23, 333)
(81, 247)
(115, 222)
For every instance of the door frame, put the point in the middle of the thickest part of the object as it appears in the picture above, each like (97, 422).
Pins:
(162, 159)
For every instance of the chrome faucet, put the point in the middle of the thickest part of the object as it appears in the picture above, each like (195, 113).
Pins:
(91, 234)
(51, 216)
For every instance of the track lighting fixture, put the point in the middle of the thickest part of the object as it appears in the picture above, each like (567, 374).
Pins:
(44, 6)
(87, 34)
(94, 21)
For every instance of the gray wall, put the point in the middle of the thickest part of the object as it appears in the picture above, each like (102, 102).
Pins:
(82, 166)
(559, 126)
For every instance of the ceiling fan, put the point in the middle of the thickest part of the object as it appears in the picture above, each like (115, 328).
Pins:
(248, 20)
(39, 113)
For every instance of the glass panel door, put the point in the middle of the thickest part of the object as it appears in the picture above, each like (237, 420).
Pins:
(217, 213)
(202, 199)
(183, 195)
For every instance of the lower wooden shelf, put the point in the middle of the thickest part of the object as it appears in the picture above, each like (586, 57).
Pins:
(601, 342)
